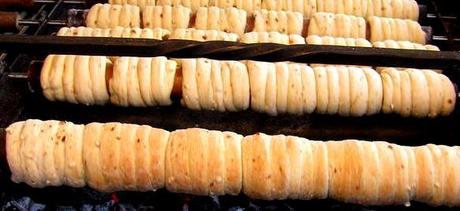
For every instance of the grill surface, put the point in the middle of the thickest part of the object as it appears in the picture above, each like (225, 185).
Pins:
(18, 101)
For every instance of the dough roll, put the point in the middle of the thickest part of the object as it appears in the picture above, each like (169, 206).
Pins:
(404, 9)
(118, 32)
(278, 21)
(115, 157)
(76, 79)
(109, 16)
(231, 20)
(382, 29)
(337, 25)
(203, 35)
(273, 88)
(166, 17)
(419, 93)
(340, 41)
(141, 3)
(272, 37)
(142, 81)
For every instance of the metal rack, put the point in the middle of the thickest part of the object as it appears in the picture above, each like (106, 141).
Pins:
(18, 101)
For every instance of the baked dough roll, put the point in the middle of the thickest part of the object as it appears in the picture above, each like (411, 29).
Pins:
(333, 89)
(166, 17)
(435, 88)
(233, 163)
(282, 86)
(140, 3)
(420, 93)
(45, 77)
(202, 77)
(158, 141)
(68, 79)
(371, 173)
(359, 92)
(231, 20)
(450, 157)
(74, 171)
(388, 90)
(82, 81)
(92, 16)
(193, 155)
(192, 4)
(396, 87)
(55, 77)
(270, 91)
(278, 21)
(322, 91)
(163, 74)
(101, 16)
(13, 148)
(216, 163)
(227, 85)
(118, 86)
(375, 97)
(217, 85)
(439, 175)
(104, 15)
(31, 152)
(239, 79)
(294, 94)
(190, 97)
(381, 29)
(127, 162)
(425, 184)
(109, 153)
(97, 67)
(205, 162)
(202, 35)
(258, 76)
(406, 94)
(92, 159)
(257, 167)
(133, 84)
(49, 172)
(144, 72)
(308, 89)
(449, 96)
(337, 25)
(344, 90)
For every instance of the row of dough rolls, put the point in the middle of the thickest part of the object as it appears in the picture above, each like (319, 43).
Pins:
(94, 80)
(183, 34)
(273, 88)
(233, 20)
(404, 9)
(419, 93)
(114, 156)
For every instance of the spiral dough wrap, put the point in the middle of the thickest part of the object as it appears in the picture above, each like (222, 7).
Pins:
(114, 156)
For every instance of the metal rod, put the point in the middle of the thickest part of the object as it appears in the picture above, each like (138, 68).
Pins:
(444, 38)
(43, 45)
(37, 22)
(50, 15)
(433, 16)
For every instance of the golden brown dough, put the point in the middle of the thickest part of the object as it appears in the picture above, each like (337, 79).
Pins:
(208, 162)
(100, 16)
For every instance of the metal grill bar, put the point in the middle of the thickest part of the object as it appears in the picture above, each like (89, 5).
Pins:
(229, 50)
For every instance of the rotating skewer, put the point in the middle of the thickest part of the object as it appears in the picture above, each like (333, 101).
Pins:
(11, 21)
